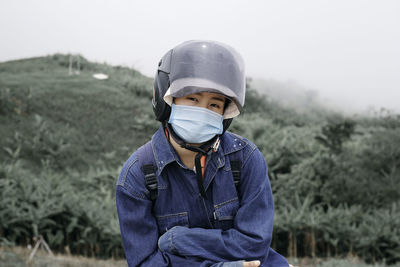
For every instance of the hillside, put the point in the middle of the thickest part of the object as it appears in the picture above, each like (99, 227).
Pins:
(64, 138)
(73, 120)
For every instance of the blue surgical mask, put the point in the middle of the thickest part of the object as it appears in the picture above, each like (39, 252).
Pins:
(195, 125)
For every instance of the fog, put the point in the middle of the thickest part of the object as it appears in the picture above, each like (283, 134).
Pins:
(347, 51)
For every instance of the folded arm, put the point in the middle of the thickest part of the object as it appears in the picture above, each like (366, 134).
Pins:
(140, 232)
(252, 233)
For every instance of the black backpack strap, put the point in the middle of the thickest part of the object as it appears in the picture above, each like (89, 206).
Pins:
(235, 167)
(151, 180)
(147, 164)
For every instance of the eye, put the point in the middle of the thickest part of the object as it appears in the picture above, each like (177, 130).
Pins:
(214, 105)
(191, 98)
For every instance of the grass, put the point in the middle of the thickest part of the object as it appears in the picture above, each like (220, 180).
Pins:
(18, 256)
(334, 262)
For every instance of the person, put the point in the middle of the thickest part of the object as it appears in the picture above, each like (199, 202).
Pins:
(196, 194)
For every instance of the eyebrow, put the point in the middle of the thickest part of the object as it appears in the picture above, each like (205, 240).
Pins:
(213, 98)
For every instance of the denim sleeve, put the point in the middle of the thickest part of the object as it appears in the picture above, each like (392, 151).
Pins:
(252, 233)
(138, 225)
(139, 234)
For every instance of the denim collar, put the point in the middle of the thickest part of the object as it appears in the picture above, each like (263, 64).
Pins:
(164, 153)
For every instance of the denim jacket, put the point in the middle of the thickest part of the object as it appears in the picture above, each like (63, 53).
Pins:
(181, 228)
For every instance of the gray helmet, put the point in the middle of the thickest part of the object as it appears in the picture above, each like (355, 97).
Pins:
(200, 66)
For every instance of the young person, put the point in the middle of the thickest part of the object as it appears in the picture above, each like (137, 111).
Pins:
(196, 194)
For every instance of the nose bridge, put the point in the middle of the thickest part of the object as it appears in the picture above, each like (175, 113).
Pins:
(203, 102)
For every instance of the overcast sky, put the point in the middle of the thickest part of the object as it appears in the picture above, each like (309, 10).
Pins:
(347, 50)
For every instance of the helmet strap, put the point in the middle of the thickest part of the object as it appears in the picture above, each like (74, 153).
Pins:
(203, 149)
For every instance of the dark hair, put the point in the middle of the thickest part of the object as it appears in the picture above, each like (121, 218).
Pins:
(227, 102)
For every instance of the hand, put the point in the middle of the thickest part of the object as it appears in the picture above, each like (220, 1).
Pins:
(251, 263)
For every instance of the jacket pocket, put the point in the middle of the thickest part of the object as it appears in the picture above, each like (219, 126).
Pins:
(166, 222)
(225, 213)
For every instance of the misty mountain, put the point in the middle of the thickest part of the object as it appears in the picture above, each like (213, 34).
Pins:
(290, 94)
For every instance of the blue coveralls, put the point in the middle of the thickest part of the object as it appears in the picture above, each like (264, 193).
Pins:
(228, 226)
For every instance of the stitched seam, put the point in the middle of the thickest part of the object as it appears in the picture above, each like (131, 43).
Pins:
(181, 214)
(212, 178)
(226, 202)
(127, 170)
(248, 156)
(132, 192)
(154, 155)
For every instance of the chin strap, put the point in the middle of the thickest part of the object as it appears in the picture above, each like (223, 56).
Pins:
(203, 151)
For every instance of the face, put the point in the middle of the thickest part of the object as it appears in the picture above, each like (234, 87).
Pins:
(212, 101)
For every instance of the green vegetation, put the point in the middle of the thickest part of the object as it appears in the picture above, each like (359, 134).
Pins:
(64, 138)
